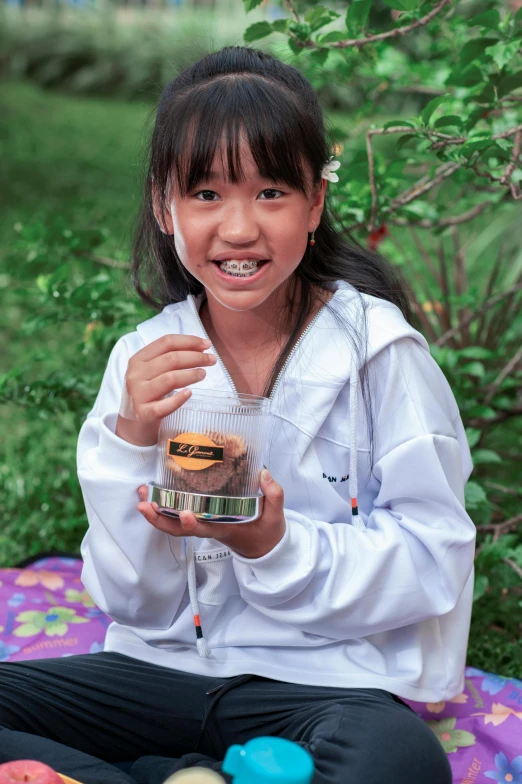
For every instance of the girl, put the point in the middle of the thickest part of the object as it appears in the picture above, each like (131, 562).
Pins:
(354, 587)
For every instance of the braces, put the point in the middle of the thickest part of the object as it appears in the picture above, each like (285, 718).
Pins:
(245, 268)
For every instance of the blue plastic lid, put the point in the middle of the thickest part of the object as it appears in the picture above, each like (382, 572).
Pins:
(269, 761)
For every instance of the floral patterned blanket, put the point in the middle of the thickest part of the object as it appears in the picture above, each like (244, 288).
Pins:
(46, 612)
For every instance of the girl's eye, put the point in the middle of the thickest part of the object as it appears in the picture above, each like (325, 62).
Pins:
(204, 192)
(271, 191)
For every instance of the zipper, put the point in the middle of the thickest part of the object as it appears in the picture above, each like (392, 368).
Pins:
(276, 384)
(227, 374)
(289, 357)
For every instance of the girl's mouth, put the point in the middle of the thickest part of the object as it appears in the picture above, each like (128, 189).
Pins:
(240, 271)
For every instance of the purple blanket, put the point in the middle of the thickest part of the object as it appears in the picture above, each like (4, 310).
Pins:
(45, 612)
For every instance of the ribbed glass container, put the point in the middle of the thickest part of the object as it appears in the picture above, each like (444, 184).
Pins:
(214, 444)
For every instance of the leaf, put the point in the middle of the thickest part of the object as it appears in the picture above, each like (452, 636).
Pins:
(392, 123)
(484, 412)
(280, 25)
(473, 146)
(476, 352)
(473, 435)
(319, 56)
(489, 19)
(485, 456)
(294, 46)
(480, 587)
(509, 83)
(357, 14)
(476, 369)
(251, 4)
(465, 77)
(475, 50)
(403, 5)
(474, 495)
(320, 16)
(432, 105)
(256, 31)
(402, 140)
(314, 14)
(334, 35)
(448, 119)
(502, 52)
(301, 30)
(420, 209)
(493, 552)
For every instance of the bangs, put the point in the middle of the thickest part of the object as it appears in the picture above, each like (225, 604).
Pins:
(220, 116)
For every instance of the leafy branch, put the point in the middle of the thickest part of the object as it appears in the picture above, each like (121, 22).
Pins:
(396, 32)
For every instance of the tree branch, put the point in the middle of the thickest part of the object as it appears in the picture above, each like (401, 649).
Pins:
(463, 139)
(371, 39)
(506, 178)
(422, 186)
(455, 220)
(503, 489)
(445, 170)
(487, 305)
(481, 422)
(506, 370)
(514, 566)
(497, 529)
(293, 10)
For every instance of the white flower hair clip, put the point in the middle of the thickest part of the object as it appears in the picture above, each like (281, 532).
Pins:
(329, 169)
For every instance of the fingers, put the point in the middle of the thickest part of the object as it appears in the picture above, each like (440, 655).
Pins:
(186, 525)
(169, 525)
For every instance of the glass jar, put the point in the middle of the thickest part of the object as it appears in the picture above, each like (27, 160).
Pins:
(210, 457)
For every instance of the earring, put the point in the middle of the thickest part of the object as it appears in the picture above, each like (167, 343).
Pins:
(312, 238)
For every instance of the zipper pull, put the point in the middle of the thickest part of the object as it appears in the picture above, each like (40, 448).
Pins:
(215, 689)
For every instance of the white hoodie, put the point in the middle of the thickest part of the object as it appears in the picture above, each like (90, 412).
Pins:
(385, 603)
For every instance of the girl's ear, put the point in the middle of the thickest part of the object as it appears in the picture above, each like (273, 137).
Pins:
(317, 205)
(163, 218)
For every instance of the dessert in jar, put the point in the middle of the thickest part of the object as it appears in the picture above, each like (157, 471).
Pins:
(210, 457)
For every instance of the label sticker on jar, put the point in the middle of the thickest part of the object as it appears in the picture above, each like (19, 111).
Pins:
(194, 451)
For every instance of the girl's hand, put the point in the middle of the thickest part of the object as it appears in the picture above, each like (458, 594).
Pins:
(160, 368)
(251, 540)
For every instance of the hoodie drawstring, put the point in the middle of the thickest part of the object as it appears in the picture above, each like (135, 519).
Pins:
(203, 649)
(352, 479)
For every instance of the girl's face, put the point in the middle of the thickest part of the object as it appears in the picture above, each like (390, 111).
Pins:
(261, 217)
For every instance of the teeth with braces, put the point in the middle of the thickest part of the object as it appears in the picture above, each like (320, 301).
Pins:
(239, 269)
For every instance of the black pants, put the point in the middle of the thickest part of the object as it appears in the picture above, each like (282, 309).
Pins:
(83, 715)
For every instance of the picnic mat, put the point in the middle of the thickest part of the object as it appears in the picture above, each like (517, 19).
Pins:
(46, 612)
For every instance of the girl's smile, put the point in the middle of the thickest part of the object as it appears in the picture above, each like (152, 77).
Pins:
(236, 278)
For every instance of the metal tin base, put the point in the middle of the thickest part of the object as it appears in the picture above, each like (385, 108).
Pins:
(209, 508)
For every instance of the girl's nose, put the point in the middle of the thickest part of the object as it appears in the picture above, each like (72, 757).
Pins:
(238, 226)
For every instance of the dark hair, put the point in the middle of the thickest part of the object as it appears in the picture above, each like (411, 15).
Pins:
(242, 89)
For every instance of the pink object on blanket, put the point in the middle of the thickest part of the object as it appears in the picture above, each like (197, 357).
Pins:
(46, 612)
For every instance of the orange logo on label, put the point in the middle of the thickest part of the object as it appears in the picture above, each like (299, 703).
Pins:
(194, 451)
